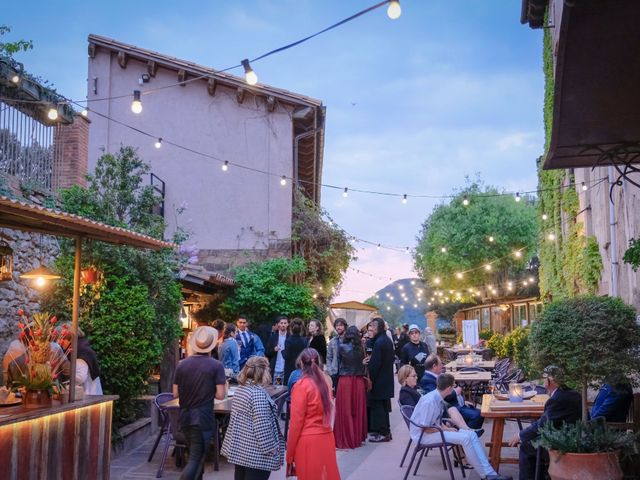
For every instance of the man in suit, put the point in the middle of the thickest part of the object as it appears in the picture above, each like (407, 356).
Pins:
(380, 365)
(249, 343)
(275, 346)
(613, 402)
(434, 367)
(564, 406)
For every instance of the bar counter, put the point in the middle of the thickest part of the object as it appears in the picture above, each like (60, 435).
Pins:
(63, 441)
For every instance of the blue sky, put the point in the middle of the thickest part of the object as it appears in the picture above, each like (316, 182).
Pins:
(452, 88)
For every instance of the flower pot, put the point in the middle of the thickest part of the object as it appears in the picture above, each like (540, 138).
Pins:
(584, 466)
(37, 398)
(89, 275)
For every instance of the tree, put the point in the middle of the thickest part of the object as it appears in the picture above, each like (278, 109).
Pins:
(464, 232)
(11, 48)
(593, 339)
(266, 289)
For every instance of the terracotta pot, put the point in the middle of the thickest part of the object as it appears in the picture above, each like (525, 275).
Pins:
(37, 399)
(89, 275)
(584, 466)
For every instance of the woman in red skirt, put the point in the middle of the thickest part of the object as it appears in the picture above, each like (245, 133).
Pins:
(351, 395)
(310, 445)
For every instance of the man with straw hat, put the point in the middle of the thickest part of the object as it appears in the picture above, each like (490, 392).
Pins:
(198, 380)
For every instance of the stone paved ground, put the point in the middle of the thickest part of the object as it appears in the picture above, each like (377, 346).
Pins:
(370, 462)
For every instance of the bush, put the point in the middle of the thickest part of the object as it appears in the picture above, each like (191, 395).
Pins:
(486, 334)
(516, 347)
(447, 331)
(496, 343)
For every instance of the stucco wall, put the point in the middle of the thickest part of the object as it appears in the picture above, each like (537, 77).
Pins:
(235, 210)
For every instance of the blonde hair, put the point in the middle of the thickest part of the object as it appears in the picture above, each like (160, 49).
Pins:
(256, 370)
(404, 373)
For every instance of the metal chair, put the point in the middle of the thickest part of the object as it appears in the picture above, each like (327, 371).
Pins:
(162, 416)
(443, 446)
(475, 389)
(174, 438)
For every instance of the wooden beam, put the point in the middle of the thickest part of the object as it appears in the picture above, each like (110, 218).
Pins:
(212, 84)
(182, 76)
(240, 94)
(122, 59)
(152, 68)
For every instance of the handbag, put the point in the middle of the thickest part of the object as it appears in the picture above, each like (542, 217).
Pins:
(291, 472)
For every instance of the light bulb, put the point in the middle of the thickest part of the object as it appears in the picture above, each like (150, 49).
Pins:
(388, 307)
(413, 282)
(249, 75)
(487, 267)
(436, 280)
(459, 275)
(225, 166)
(551, 236)
(404, 198)
(415, 305)
(283, 180)
(531, 279)
(402, 307)
(84, 112)
(432, 299)
(15, 78)
(158, 143)
(443, 249)
(40, 282)
(393, 10)
(518, 198)
(345, 194)
(491, 239)
(525, 283)
(510, 284)
(465, 201)
(136, 105)
(52, 114)
(315, 295)
(584, 187)
(544, 216)
(429, 304)
(378, 247)
(517, 254)
(407, 250)
(400, 287)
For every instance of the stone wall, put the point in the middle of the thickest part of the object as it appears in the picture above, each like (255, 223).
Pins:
(224, 261)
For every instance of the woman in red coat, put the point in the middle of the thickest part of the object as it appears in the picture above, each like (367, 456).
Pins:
(311, 446)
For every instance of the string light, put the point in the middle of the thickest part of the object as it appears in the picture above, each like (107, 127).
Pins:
(491, 239)
(545, 216)
(487, 267)
(436, 280)
(84, 112)
(407, 250)
(532, 280)
(584, 187)
(15, 79)
(283, 180)
(465, 201)
(517, 254)
(525, 283)
(404, 198)
(225, 166)
(393, 10)
(158, 143)
(249, 75)
(443, 249)
(551, 236)
(518, 197)
(345, 194)
(459, 275)
(378, 247)
(52, 114)
(136, 105)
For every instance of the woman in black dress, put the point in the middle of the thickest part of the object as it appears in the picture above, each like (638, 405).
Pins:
(317, 340)
(293, 346)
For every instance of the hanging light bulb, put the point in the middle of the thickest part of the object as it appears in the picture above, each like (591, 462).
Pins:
(345, 194)
(518, 198)
(249, 75)
(158, 143)
(459, 275)
(517, 254)
(407, 250)
(378, 247)
(404, 198)
(436, 280)
(443, 249)
(84, 112)
(532, 279)
(283, 180)
(136, 105)
(465, 201)
(40, 275)
(525, 283)
(225, 166)
(15, 78)
(584, 187)
(545, 216)
(551, 236)
(52, 114)
(491, 239)
(487, 267)
(393, 10)
(413, 282)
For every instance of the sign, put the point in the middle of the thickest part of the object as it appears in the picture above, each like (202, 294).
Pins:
(470, 334)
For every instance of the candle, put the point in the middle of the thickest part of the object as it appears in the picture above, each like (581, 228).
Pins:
(516, 392)
(468, 359)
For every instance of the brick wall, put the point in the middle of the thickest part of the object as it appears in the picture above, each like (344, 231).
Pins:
(73, 140)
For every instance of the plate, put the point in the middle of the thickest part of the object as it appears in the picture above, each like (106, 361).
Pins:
(468, 373)
(505, 396)
(17, 401)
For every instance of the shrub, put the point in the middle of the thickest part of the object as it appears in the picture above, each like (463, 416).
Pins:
(516, 347)
(447, 331)
(496, 343)
(486, 334)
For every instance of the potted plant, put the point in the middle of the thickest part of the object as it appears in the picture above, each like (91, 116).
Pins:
(447, 334)
(592, 339)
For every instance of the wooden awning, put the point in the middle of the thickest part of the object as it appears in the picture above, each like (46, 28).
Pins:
(596, 108)
(29, 217)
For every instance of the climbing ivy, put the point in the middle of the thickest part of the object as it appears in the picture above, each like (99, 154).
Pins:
(572, 263)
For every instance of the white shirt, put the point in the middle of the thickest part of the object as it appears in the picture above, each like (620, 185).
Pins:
(428, 411)
(279, 358)
(91, 387)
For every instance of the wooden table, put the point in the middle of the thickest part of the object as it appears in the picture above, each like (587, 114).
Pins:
(486, 364)
(496, 444)
(223, 407)
(462, 377)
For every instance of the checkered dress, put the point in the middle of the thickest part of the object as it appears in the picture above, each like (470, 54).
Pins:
(253, 438)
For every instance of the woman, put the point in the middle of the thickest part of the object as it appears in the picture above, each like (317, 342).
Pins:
(311, 447)
(229, 353)
(317, 340)
(293, 345)
(351, 395)
(253, 442)
(408, 380)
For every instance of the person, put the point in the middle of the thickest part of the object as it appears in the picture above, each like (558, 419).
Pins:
(351, 396)
(87, 367)
(429, 412)
(408, 380)
(293, 346)
(197, 381)
(564, 405)
(275, 347)
(228, 351)
(433, 368)
(380, 366)
(219, 325)
(311, 446)
(253, 442)
(249, 343)
(317, 340)
(414, 352)
(402, 338)
(333, 359)
(613, 402)
(396, 336)
(200, 321)
(430, 340)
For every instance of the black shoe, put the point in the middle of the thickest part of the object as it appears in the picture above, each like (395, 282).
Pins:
(479, 432)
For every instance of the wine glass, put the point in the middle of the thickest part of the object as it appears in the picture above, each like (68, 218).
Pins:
(492, 387)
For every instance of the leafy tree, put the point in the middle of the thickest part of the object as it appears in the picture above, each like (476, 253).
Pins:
(11, 48)
(266, 289)
(464, 232)
(593, 339)
(632, 255)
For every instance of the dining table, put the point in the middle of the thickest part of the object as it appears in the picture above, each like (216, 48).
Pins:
(469, 377)
(457, 364)
(498, 411)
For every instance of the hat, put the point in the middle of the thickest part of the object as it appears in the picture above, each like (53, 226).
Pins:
(203, 339)
(414, 327)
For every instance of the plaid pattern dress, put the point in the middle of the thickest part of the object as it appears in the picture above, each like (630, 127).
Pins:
(253, 438)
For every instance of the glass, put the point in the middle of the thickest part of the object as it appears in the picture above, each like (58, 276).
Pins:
(492, 387)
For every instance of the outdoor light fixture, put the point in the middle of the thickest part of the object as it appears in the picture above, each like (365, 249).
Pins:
(40, 275)
(393, 10)
(84, 112)
(158, 143)
(487, 267)
(436, 280)
(491, 239)
(6, 261)
(52, 114)
(531, 279)
(404, 198)
(249, 75)
(544, 216)
(465, 201)
(15, 78)
(407, 250)
(345, 194)
(136, 105)
(283, 180)
(518, 198)
(378, 247)
(225, 166)
(443, 249)
(517, 254)
(459, 275)
(584, 187)
(144, 78)
(551, 236)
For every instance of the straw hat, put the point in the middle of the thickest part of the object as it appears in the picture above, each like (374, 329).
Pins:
(203, 339)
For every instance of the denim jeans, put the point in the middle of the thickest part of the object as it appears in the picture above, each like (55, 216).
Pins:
(198, 443)
(471, 445)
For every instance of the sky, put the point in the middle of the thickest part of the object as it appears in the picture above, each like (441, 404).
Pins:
(450, 90)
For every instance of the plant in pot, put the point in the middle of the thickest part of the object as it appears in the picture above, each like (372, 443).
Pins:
(593, 339)
(447, 334)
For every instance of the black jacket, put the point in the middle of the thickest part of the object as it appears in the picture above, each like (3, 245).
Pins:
(409, 396)
(293, 346)
(564, 406)
(320, 344)
(270, 349)
(414, 354)
(381, 368)
(350, 360)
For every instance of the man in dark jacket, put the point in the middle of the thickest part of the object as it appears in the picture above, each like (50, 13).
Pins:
(380, 367)
(564, 406)
(275, 347)
(613, 402)
(414, 352)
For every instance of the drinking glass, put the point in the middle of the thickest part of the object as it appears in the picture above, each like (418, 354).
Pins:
(492, 387)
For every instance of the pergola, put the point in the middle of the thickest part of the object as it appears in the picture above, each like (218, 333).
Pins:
(28, 217)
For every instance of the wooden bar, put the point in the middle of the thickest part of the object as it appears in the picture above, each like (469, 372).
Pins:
(71, 440)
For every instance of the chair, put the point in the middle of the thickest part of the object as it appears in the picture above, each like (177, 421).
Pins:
(174, 437)
(162, 416)
(443, 446)
(501, 368)
(476, 389)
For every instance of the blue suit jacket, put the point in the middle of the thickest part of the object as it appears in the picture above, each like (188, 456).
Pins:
(253, 349)
(428, 384)
(613, 402)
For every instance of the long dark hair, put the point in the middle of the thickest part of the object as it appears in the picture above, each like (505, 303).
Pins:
(352, 336)
(309, 361)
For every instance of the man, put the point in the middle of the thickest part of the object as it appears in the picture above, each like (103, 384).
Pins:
(333, 357)
(198, 380)
(380, 367)
(613, 402)
(402, 338)
(434, 367)
(414, 352)
(249, 344)
(275, 346)
(564, 405)
(429, 412)
(200, 321)
(430, 340)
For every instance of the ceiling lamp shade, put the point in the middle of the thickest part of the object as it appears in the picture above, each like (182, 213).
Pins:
(40, 275)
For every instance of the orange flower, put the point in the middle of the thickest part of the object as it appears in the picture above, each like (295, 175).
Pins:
(20, 312)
